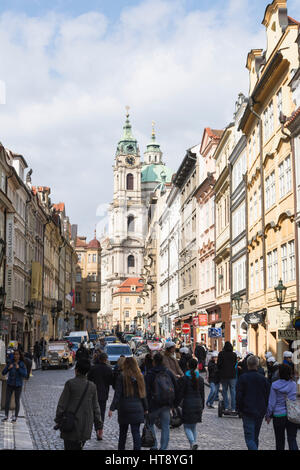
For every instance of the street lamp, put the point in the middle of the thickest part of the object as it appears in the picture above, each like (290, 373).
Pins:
(238, 302)
(280, 292)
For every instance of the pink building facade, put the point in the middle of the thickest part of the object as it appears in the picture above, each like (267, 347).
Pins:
(206, 238)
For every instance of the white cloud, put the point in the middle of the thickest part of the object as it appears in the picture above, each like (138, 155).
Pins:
(69, 79)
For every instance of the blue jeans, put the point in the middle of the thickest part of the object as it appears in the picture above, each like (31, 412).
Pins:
(231, 383)
(251, 431)
(214, 392)
(164, 415)
(191, 432)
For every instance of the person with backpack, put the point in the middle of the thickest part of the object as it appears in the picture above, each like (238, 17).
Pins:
(191, 393)
(130, 401)
(162, 395)
(79, 397)
(281, 389)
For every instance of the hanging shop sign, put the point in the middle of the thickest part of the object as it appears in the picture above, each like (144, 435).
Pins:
(203, 319)
(255, 318)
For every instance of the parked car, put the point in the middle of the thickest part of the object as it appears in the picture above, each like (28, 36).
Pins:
(58, 354)
(114, 351)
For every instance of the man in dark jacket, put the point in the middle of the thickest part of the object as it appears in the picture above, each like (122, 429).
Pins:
(227, 361)
(252, 401)
(88, 414)
(102, 376)
(158, 407)
(82, 353)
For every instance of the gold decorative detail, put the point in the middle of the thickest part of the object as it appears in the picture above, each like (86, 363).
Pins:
(127, 110)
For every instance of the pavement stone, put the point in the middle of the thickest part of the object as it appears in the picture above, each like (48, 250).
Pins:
(41, 396)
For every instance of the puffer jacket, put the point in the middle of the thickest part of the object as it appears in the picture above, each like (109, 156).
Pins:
(192, 399)
(131, 409)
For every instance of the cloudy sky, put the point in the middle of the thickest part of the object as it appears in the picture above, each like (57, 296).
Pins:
(70, 67)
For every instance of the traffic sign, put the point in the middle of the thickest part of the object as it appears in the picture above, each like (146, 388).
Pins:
(185, 328)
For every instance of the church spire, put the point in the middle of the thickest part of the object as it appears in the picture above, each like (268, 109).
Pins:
(153, 152)
(127, 144)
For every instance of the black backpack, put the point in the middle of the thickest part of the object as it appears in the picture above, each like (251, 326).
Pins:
(163, 390)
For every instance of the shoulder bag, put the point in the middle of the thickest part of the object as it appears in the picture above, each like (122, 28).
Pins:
(67, 423)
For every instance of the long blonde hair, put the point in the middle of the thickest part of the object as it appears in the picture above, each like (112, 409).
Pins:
(131, 370)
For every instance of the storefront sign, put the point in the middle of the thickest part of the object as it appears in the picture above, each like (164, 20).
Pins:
(203, 319)
(288, 334)
(9, 240)
(9, 287)
(195, 321)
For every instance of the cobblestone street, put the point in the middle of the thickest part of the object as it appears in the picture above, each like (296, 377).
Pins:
(40, 399)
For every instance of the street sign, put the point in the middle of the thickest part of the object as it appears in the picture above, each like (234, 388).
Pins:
(214, 332)
(185, 328)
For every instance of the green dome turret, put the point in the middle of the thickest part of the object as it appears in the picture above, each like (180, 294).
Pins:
(128, 144)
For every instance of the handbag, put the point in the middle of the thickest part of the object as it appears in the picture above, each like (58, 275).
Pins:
(67, 422)
(148, 439)
(176, 418)
(293, 410)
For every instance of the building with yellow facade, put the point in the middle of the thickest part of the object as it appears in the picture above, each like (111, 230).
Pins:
(270, 199)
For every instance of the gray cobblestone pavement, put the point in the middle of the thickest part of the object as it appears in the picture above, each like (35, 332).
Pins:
(44, 388)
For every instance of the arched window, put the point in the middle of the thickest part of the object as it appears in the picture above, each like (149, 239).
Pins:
(129, 181)
(130, 223)
(130, 261)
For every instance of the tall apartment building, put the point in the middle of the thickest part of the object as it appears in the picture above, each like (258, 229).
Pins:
(270, 185)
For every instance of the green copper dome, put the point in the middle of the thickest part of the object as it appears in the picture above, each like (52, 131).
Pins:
(156, 173)
(128, 144)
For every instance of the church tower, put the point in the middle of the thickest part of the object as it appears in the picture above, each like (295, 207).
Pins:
(122, 254)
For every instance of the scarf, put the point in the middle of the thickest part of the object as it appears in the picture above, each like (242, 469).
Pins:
(188, 374)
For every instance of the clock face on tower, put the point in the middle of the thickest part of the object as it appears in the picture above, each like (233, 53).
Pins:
(130, 160)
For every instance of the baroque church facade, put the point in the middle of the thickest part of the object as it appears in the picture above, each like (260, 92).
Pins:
(123, 246)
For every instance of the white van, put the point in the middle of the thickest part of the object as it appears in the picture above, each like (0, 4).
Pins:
(78, 336)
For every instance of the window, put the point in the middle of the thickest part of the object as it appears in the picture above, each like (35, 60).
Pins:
(94, 258)
(94, 297)
(285, 177)
(130, 261)
(256, 276)
(127, 301)
(284, 263)
(238, 221)
(78, 277)
(79, 257)
(272, 258)
(78, 297)
(270, 190)
(130, 223)
(261, 272)
(255, 206)
(292, 267)
(268, 118)
(139, 300)
(251, 279)
(127, 313)
(129, 182)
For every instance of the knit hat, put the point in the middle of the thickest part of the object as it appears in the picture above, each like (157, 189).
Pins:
(271, 359)
(268, 354)
(287, 354)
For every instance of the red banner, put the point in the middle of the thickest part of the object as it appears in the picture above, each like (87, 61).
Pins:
(203, 319)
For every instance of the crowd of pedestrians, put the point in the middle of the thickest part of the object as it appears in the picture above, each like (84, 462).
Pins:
(166, 382)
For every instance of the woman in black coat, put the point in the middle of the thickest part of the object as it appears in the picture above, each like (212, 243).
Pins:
(191, 391)
(130, 401)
